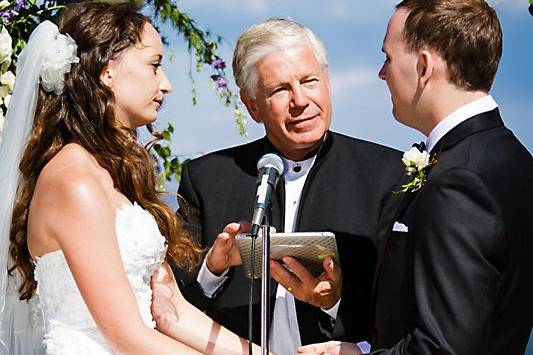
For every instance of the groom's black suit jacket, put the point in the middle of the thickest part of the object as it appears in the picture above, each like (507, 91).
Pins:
(343, 193)
(460, 281)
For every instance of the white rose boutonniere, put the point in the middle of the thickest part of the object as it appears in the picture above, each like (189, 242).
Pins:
(416, 163)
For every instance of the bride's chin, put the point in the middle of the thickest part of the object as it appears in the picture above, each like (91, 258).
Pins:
(141, 122)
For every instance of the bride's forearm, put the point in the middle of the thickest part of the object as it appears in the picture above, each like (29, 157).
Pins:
(183, 322)
(200, 332)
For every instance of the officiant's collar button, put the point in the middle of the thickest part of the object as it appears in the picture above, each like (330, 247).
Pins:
(297, 168)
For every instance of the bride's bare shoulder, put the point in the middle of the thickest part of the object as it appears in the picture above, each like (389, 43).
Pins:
(73, 171)
(72, 158)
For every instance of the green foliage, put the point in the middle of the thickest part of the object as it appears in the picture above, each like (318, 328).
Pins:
(169, 165)
(21, 26)
(200, 42)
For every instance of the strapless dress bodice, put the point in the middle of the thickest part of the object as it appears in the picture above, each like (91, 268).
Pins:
(68, 325)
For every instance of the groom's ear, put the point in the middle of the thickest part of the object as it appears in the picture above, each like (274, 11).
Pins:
(425, 66)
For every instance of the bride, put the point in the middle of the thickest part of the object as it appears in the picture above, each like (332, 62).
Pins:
(86, 227)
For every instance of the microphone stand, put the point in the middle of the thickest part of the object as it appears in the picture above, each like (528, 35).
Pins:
(265, 283)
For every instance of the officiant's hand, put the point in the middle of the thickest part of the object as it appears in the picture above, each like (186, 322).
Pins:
(330, 348)
(323, 291)
(224, 252)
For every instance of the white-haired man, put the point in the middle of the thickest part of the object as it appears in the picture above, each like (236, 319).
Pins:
(332, 183)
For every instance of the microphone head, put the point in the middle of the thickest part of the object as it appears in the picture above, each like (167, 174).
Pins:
(271, 160)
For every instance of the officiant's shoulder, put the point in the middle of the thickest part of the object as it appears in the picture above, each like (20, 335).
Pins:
(367, 150)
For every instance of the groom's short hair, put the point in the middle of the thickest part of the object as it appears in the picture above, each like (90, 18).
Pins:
(266, 37)
(466, 33)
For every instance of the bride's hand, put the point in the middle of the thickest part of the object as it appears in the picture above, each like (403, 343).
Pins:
(168, 304)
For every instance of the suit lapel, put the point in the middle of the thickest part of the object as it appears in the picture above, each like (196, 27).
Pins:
(321, 154)
(394, 209)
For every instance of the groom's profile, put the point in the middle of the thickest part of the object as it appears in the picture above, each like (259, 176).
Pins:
(455, 267)
(467, 276)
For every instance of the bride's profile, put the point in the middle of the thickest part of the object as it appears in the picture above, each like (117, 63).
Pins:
(81, 225)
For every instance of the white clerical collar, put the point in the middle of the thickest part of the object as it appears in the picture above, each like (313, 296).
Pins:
(296, 169)
(484, 104)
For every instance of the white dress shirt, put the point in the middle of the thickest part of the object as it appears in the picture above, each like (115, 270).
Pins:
(484, 104)
(284, 331)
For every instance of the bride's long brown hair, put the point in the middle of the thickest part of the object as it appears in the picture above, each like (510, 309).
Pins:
(83, 114)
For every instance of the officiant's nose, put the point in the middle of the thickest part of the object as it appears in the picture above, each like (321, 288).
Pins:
(299, 100)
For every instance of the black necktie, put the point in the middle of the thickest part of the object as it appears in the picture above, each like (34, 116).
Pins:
(420, 146)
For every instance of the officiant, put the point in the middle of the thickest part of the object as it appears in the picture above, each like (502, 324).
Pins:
(331, 183)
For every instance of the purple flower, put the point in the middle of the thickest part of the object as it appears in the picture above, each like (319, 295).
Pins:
(20, 4)
(8, 15)
(218, 64)
(220, 81)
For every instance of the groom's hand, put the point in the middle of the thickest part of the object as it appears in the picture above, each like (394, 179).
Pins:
(224, 252)
(323, 291)
(330, 348)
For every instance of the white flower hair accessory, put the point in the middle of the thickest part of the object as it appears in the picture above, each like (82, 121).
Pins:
(57, 61)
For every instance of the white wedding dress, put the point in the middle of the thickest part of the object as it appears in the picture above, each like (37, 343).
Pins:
(68, 325)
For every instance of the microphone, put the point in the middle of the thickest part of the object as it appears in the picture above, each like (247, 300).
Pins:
(270, 168)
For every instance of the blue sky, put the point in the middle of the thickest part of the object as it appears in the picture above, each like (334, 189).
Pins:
(352, 32)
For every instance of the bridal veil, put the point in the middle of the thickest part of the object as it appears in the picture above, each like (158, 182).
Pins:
(20, 321)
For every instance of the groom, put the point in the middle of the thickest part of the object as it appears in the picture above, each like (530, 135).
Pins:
(455, 266)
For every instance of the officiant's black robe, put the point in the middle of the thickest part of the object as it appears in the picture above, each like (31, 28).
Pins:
(344, 193)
